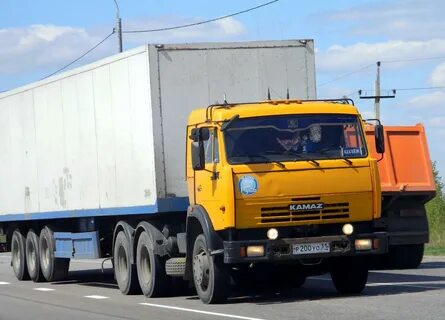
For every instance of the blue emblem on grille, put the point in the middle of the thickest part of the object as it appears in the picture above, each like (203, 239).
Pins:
(248, 185)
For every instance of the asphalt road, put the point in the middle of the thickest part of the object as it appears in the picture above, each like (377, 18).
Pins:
(91, 294)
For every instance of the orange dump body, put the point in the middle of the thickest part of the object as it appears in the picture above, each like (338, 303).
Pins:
(406, 164)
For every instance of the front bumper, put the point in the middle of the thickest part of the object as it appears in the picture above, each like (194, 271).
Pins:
(282, 249)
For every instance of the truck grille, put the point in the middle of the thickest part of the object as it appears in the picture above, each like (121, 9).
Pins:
(339, 210)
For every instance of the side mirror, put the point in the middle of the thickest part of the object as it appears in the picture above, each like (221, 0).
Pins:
(198, 157)
(379, 139)
(198, 136)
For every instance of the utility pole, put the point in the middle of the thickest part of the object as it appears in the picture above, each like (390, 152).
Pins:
(118, 28)
(377, 95)
(377, 92)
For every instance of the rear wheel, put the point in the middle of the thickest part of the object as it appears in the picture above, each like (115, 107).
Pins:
(210, 275)
(18, 256)
(153, 280)
(350, 276)
(32, 257)
(124, 271)
(407, 256)
(53, 269)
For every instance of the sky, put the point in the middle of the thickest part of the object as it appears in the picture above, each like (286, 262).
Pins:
(39, 37)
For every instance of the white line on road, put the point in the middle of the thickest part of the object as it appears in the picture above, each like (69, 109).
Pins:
(96, 297)
(199, 311)
(4, 282)
(43, 289)
(421, 285)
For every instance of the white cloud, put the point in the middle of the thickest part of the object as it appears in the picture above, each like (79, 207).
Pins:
(437, 77)
(347, 58)
(401, 19)
(437, 122)
(41, 46)
(434, 99)
(225, 29)
(46, 47)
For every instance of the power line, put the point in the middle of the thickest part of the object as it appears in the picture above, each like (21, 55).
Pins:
(420, 88)
(383, 61)
(413, 59)
(201, 22)
(83, 55)
(346, 75)
(409, 89)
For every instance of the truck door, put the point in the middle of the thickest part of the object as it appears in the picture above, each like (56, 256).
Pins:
(212, 187)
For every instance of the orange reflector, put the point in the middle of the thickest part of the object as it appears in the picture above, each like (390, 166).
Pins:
(376, 243)
(242, 251)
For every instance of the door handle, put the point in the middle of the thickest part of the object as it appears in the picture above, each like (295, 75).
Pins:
(199, 188)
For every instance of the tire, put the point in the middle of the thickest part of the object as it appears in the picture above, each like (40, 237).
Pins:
(153, 280)
(125, 272)
(406, 256)
(53, 269)
(350, 276)
(18, 256)
(210, 275)
(33, 257)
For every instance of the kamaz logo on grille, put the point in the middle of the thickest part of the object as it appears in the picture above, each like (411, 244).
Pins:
(306, 206)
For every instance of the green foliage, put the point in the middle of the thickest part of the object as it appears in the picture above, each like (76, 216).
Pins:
(436, 213)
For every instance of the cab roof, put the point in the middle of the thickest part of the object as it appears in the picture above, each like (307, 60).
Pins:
(224, 112)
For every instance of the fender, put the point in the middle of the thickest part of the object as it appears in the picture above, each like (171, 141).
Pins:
(157, 238)
(214, 241)
(129, 232)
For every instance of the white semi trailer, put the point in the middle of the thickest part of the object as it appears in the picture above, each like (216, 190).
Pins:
(96, 155)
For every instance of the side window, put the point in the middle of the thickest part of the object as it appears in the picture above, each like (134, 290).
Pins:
(211, 148)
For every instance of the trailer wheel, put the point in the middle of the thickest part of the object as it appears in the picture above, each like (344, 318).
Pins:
(53, 269)
(18, 256)
(33, 257)
(153, 280)
(350, 276)
(211, 278)
(125, 272)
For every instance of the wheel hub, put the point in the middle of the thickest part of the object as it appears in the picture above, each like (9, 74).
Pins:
(201, 269)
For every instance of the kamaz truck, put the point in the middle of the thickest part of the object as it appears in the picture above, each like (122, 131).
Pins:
(190, 164)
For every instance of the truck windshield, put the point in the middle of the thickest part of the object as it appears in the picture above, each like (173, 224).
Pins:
(294, 138)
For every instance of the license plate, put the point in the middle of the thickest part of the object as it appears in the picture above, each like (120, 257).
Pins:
(309, 248)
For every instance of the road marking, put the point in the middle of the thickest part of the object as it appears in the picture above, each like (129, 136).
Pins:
(421, 285)
(96, 297)
(4, 282)
(43, 289)
(198, 311)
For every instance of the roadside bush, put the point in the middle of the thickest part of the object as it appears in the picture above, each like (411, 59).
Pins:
(436, 214)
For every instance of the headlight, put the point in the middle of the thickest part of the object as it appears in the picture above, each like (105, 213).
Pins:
(348, 229)
(272, 233)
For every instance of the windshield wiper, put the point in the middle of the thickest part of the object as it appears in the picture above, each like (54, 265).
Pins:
(228, 123)
(280, 164)
(297, 156)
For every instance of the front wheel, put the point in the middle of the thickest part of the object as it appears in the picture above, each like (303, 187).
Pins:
(210, 275)
(350, 276)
